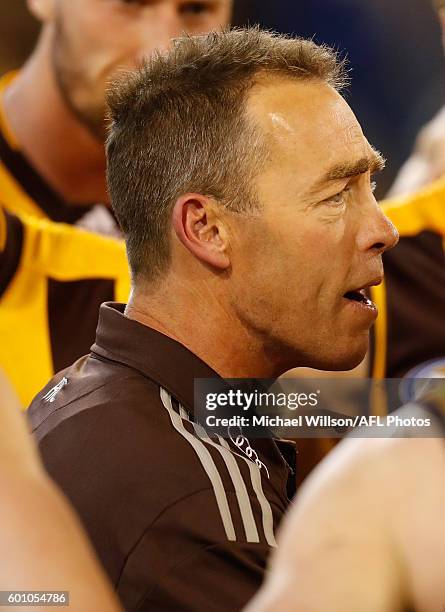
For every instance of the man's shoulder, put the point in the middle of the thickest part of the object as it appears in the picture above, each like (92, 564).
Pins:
(99, 412)
(111, 403)
(89, 385)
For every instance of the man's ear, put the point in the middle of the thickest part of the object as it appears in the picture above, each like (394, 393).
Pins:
(201, 229)
(43, 10)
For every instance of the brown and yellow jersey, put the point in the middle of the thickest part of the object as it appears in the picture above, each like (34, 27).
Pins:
(409, 335)
(53, 278)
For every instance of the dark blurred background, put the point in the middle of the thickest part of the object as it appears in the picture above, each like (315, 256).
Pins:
(393, 46)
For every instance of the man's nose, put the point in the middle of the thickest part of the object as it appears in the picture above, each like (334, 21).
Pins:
(378, 233)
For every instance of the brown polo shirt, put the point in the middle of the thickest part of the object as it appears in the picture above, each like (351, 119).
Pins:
(179, 521)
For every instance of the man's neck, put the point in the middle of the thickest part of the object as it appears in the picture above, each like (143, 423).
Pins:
(207, 327)
(67, 156)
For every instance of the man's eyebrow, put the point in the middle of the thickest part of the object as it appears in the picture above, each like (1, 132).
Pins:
(374, 163)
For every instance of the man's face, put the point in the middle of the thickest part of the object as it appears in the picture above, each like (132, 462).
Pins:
(93, 39)
(320, 233)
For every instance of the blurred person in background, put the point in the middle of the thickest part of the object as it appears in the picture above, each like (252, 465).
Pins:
(366, 532)
(52, 165)
(44, 546)
(53, 278)
(408, 338)
(52, 112)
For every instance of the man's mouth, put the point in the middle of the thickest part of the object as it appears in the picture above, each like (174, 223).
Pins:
(360, 295)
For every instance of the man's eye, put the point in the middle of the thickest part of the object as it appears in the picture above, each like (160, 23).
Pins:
(187, 8)
(339, 198)
(194, 8)
(140, 2)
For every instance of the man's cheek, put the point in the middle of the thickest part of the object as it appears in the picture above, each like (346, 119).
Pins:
(330, 238)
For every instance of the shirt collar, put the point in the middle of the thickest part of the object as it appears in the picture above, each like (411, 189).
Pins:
(155, 355)
(172, 366)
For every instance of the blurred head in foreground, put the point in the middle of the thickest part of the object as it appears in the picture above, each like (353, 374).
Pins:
(366, 531)
(87, 41)
(242, 181)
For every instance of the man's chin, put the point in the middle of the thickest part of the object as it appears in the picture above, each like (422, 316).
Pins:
(343, 359)
(93, 118)
(346, 364)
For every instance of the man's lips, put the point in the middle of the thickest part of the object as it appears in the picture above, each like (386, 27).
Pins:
(359, 294)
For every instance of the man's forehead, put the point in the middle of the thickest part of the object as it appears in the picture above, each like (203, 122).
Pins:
(295, 112)
(355, 135)
(308, 125)
(312, 134)
(290, 96)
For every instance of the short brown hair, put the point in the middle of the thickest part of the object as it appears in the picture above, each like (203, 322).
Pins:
(179, 125)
